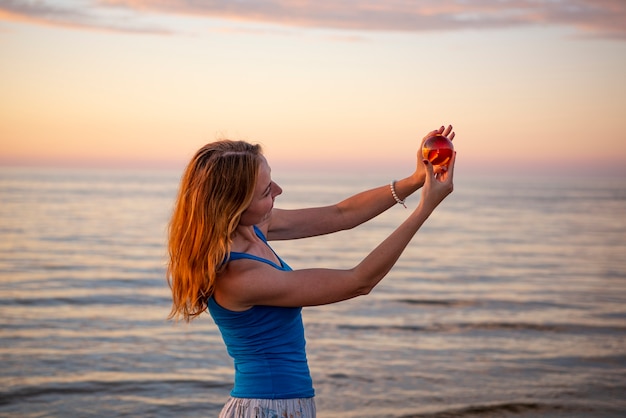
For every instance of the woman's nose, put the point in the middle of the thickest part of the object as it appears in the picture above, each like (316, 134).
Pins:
(276, 189)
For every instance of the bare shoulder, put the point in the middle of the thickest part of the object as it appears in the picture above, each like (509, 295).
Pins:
(238, 287)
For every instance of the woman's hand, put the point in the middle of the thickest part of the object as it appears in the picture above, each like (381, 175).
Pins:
(437, 185)
(420, 171)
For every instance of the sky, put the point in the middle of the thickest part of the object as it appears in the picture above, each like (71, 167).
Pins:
(529, 85)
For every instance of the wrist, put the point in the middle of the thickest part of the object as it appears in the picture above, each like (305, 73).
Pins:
(417, 179)
(401, 189)
(423, 210)
(399, 201)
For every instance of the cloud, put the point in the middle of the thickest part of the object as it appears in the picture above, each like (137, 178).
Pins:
(598, 18)
(77, 15)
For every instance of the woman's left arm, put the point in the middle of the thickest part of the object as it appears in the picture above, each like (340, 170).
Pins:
(351, 212)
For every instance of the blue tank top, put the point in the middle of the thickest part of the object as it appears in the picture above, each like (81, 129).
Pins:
(267, 345)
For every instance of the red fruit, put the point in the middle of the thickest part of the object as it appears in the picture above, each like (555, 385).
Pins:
(438, 149)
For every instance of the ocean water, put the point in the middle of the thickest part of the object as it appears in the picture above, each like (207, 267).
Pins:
(510, 302)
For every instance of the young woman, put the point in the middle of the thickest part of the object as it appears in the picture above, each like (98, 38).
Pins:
(220, 260)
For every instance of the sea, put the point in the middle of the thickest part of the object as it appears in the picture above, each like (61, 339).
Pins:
(509, 302)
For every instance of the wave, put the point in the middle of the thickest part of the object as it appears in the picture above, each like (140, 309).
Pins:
(490, 326)
(490, 303)
(438, 302)
(96, 300)
(493, 410)
(26, 393)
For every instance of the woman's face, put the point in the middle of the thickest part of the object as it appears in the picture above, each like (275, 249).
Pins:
(265, 192)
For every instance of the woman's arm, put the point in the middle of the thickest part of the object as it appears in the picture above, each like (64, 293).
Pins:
(247, 283)
(351, 212)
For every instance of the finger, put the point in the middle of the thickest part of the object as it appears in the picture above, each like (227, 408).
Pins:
(429, 167)
(451, 165)
(439, 169)
(451, 137)
(448, 130)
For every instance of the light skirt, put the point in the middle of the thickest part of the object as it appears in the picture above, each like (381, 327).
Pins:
(269, 408)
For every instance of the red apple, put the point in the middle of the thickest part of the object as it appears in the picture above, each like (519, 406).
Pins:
(438, 149)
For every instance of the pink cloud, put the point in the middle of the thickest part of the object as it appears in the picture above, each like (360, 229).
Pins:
(600, 18)
(84, 17)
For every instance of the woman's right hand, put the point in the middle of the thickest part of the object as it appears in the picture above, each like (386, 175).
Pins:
(437, 185)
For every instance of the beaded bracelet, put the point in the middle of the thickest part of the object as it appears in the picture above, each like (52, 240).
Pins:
(393, 193)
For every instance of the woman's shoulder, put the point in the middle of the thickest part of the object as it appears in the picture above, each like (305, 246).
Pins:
(241, 280)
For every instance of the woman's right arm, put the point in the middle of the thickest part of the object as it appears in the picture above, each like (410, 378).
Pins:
(250, 283)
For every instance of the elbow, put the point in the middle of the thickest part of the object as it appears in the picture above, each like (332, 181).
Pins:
(364, 286)
(365, 280)
(364, 290)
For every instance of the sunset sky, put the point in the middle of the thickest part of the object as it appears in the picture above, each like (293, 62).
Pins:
(528, 85)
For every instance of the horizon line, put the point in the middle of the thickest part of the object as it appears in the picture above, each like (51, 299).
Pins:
(474, 166)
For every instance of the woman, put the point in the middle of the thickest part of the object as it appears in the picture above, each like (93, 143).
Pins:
(220, 260)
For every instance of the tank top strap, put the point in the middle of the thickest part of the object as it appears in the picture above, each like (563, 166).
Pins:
(238, 256)
(234, 255)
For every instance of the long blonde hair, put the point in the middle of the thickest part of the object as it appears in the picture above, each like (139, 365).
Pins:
(215, 189)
